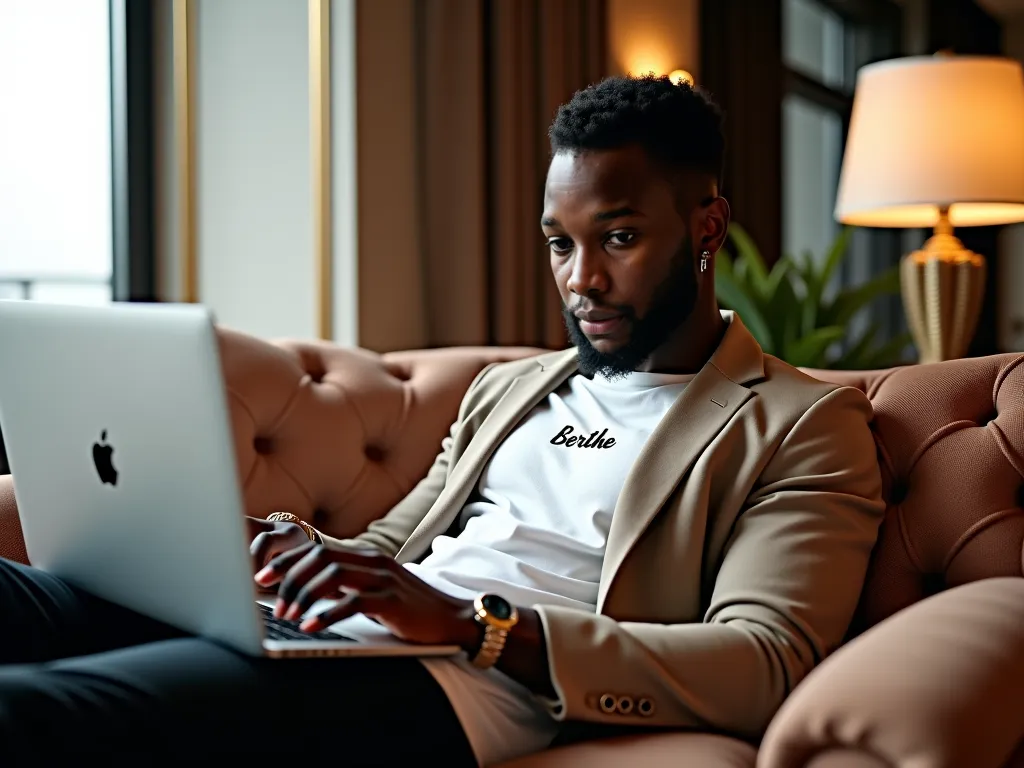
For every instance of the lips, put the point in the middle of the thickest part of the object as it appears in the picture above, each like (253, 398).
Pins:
(598, 323)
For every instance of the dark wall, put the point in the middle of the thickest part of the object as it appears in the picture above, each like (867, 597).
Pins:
(741, 67)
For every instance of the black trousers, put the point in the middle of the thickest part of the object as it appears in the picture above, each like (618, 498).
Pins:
(80, 677)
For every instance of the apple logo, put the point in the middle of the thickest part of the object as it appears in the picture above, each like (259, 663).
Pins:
(103, 458)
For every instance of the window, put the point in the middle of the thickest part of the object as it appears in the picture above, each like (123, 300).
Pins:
(815, 111)
(825, 43)
(56, 203)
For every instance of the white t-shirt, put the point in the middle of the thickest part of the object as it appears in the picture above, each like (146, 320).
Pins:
(537, 535)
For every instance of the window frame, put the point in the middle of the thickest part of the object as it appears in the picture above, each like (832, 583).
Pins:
(872, 31)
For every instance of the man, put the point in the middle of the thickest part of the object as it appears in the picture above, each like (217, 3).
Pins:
(662, 527)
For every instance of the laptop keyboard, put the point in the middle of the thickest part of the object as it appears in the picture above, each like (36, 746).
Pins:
(279, 629)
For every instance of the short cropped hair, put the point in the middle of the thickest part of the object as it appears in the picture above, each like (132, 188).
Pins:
(679, 126)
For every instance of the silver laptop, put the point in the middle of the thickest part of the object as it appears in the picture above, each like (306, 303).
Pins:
(118, 436)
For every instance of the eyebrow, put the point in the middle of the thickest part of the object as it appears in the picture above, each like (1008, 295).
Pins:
(615, 213)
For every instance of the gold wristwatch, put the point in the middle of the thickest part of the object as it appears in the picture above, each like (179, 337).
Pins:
(497, 616)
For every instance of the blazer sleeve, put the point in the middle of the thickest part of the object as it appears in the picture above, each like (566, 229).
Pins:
(389, 533)
(783, 599)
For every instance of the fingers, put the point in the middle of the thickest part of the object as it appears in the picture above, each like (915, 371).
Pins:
(254, 530)
(314, 572)
(280, 563)
(321, 585)
(267, 545)
(348, 606)
(256, 525)
(259, 548)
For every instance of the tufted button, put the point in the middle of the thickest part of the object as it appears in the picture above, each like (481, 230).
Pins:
(933, 583)
(899, 490)
(320, 517)
(374, 454)
(263, 446)
(400, 372)
(645, 707)
(625, 705)
(607, 703)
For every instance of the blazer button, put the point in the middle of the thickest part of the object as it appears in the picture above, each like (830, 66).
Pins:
(645, 707)
(625, 705)
(607, 703)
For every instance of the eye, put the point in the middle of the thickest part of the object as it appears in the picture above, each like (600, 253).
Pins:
(620, 238)
(560, 244)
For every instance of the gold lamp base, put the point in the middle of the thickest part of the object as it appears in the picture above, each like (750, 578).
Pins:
(943, 286)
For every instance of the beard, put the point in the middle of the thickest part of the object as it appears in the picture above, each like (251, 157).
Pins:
(672, 304)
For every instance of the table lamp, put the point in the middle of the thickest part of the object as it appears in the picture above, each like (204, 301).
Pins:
(936, 141)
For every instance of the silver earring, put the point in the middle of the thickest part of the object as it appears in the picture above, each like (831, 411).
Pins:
(704, 260)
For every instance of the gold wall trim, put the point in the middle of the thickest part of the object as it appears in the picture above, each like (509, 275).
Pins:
(184, 132)
(320, 145)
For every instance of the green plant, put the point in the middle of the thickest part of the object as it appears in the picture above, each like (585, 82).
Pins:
(790, 313)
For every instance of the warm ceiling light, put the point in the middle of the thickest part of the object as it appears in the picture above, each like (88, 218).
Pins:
(680, 76)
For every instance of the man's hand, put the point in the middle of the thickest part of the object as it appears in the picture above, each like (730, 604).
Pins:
(268, 540)
(370, 583)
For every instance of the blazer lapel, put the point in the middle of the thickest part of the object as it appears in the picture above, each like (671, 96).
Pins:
(523, 394)
(710, 400)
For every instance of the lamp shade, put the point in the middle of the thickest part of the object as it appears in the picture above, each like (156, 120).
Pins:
(935, 131)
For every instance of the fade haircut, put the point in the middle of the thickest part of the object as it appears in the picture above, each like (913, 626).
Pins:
(679, 126)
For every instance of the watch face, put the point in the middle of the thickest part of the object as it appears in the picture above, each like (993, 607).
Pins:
(497, 606)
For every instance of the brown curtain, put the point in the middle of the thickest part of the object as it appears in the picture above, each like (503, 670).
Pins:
(741, 66)
(491, 75)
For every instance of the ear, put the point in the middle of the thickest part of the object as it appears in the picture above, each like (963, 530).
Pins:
(711, 225)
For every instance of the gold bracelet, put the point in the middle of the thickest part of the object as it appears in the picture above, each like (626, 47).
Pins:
(287, 517)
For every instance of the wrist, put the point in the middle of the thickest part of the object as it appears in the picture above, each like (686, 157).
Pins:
(468, 633)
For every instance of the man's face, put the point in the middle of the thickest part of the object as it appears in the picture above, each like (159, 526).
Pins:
(621, 254)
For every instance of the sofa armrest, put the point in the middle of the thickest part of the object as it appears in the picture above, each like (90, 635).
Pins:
(938, 684)
(12, 545)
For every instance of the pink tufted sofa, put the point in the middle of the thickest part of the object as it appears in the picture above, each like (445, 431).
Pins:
(933, 675)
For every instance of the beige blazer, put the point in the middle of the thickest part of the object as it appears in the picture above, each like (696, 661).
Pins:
(737, 550)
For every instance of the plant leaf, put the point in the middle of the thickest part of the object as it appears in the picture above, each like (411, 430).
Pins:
(783, 309)
(723, 263)
(851, 359)
(816, 287)
(848, 302)
(731, 294)
(780, 272)
(810, 350)
(806, 269)
(748, 253)
(887, 355)
(835, 255)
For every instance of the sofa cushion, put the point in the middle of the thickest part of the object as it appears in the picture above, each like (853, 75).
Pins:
(657, 750)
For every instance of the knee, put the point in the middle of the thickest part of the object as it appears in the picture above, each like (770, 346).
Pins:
(23, 699)
(24, 721)
(35, 704)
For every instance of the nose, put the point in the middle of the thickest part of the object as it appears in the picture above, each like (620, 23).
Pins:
(587, 274)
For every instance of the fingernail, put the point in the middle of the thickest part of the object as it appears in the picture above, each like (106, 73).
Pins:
(279, 607)
(310, 625)
(293, 613)
(264, 574)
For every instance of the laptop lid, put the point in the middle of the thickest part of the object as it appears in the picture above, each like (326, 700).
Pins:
(117, 432)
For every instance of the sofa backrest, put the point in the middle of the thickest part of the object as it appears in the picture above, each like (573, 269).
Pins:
(950, 440)
(339, 435)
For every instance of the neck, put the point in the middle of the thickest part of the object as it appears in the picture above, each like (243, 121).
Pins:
(691, 345)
